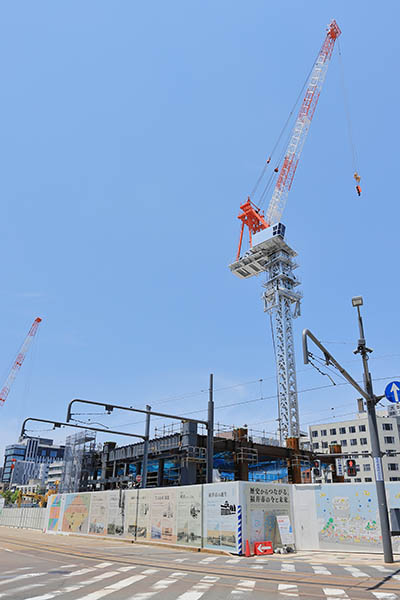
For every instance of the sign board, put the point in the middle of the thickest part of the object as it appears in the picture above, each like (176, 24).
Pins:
(392, 391)
(138, 478)
(378, 468)
(285, 529)
(339, 467)
(263, 548)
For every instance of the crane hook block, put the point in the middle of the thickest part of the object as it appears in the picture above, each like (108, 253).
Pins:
(358, 188)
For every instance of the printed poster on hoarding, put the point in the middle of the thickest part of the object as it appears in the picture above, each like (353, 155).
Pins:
(285, 529)
(220, 514)
(115, 523)
(265, 503)
(163, 515)
(137, 513)
(54, 512)
(98, 513)
(189, 516)
(76, 513)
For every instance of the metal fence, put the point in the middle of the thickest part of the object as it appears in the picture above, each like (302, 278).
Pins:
(25, 518)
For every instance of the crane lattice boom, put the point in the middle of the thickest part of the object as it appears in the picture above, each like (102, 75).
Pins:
(19, 360)
(251, 216)
(302, 125)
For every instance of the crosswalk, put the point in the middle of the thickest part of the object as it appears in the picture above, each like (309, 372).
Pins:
(109, 580)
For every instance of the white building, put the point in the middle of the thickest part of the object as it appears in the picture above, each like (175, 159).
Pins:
(54, 475)
(354, 438)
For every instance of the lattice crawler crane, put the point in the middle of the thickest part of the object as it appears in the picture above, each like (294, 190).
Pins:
(269, 253)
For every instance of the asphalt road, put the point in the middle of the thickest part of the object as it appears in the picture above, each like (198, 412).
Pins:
(36, 566)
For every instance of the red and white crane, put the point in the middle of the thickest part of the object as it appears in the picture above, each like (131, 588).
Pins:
(18, 361)
(270, 254)
(251, 215)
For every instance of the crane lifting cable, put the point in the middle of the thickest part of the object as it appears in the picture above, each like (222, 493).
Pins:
(356, 176)
(272, 153)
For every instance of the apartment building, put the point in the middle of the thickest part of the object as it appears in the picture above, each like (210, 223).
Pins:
(353, 436)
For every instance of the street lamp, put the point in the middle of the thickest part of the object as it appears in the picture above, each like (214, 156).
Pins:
(376, 453)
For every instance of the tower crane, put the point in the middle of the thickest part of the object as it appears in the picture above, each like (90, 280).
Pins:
(269, 253)
(18, 361)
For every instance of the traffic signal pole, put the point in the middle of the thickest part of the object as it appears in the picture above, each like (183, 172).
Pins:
(371, 401)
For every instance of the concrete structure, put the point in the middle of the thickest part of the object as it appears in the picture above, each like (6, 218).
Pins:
(29, 459)
(33, 486)
(354, 439)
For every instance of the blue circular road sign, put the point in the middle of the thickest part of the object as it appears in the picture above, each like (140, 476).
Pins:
(392, 391)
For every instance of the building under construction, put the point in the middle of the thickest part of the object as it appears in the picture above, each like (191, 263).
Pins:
(179, 458)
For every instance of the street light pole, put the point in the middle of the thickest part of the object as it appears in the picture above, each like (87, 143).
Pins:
(376, 453)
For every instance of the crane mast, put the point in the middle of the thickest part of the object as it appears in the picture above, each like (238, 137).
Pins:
(19, 360)
(270, 254)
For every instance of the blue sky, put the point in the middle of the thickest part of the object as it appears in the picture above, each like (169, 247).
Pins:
(131, 132)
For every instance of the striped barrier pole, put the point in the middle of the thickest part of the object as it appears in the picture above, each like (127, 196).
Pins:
(239, 532)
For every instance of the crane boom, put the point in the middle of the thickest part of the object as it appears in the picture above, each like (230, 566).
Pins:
(302, 126)
(18, 361)
(251, 215)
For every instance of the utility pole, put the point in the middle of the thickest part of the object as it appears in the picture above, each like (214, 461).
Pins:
(146, 448)
(371, 401)
(210, 432)
(363, 350)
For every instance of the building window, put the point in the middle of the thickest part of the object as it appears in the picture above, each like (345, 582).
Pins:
(363, 441)
(342, 430)
(315, 445)
(368, 479)
(362, 428)
(323, 431)
(343, 442)
(394, 478)
(387, 427)
(389, 439)
(353, 442)
(357, 480)
(332, 431)
(314, 433)
(324, 444)
(352, 429)
(367, 467)
(393, 467)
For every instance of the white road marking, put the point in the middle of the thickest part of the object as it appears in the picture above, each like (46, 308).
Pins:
(23, 589)
(209, 559)
(233, 560)
(244, 586)
(380, 568)
(12, 579)
(124, 569)
(180, 559)
(15, 570)
(334, 593)
(81, 572)
(150, 571)
(384, 596)
(103, 565)
(320, 570)
(66, 566)
(158, 586)
(119, 585)
(8, 550)
(288, 589)
(199, 589)
(288, 567)
(256, 567)
(355, 572)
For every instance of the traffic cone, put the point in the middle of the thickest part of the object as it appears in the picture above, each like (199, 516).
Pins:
(247, 553)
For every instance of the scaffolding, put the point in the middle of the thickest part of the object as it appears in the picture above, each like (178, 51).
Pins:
(79, 459)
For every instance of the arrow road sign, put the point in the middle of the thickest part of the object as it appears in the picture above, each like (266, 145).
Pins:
(392, 391)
